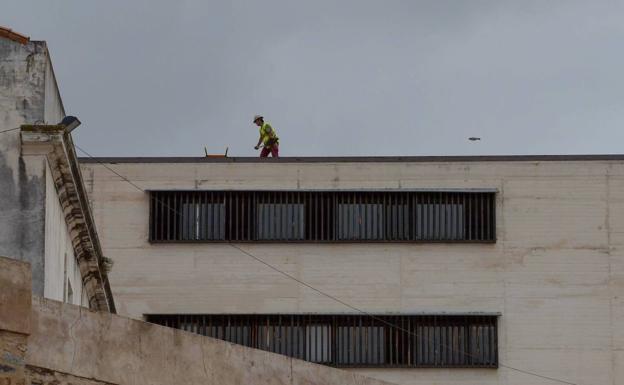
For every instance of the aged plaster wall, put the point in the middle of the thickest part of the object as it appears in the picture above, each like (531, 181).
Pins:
(53, 111)
(22, 81)
(63, 281)
(22, 211)
(22, 85)
(28, 94)
(555, 273)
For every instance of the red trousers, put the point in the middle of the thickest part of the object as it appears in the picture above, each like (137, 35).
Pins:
(273, 150)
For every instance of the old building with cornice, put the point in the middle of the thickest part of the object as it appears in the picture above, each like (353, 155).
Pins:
(45, 217)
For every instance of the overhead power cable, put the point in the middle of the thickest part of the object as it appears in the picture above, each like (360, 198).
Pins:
(384, 321)
(10, 129)
(338, 300)
(110, 169)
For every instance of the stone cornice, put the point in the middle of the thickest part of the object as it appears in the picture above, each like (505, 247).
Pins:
(53, 142)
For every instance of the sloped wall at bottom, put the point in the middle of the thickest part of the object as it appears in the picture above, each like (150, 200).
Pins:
(109, 348)
(40, 376)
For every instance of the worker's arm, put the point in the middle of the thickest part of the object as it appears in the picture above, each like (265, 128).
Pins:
(258, 145)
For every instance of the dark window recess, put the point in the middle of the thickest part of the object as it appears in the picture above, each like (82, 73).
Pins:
(361, 221)
(444, 341)
(322, 216)
(278, 219)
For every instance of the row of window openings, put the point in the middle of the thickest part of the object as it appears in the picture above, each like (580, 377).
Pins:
(275, 221)
(358, 346)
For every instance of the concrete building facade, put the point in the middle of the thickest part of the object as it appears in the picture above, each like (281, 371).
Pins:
(44, 217)
(547, 265)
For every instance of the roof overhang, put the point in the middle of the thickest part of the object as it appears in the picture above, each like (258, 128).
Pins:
(12, 35)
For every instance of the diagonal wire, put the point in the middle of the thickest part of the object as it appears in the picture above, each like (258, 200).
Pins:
(10, 129)
(338, 300)
(110, 169)
(382, 320)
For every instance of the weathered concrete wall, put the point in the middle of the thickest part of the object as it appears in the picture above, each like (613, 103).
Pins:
(28, 94)
(22, 82)
(118, 350)
(50, 342)
(22, 211)
(28, 88)
(555, 273)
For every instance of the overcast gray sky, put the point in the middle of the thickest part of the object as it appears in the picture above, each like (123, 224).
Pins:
(163, 78)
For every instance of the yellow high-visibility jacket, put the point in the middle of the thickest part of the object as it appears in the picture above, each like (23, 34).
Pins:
(268, 138)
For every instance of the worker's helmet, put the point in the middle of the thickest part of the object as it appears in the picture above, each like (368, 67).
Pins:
(257, 117)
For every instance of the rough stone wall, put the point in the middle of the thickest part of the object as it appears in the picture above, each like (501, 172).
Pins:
(15, 308)
(12, 349)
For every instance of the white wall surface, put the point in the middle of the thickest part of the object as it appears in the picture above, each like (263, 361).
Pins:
(53, 111)
(556, 273)
(61, 267)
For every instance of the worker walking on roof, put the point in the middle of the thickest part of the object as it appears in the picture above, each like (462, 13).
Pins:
(268, 138)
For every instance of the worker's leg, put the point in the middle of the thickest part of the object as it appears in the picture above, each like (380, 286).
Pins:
(275, 150)
(265, 152)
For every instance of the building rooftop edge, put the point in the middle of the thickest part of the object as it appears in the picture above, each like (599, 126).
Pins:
(358, 159)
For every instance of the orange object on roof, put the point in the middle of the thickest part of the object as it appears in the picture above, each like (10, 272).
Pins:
(11, 35)
(216, 155)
